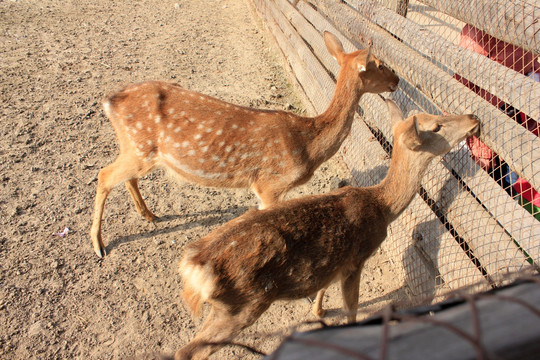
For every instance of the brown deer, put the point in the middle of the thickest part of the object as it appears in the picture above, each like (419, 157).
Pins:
(214, 143)
(298, 247)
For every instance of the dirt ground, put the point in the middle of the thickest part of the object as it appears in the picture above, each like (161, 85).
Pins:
(58, 60)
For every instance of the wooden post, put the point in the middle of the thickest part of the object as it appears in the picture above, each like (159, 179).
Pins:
(400, 7)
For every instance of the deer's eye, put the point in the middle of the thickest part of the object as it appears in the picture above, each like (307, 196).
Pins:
(437, 128)
(381, 67)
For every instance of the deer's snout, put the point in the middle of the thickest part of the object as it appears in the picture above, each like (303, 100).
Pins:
(475, 130)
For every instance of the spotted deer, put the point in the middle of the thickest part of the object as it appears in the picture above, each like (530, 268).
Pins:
(297, 247)
(214, 143)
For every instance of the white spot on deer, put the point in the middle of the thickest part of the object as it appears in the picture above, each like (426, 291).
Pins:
(149, 142)
(171, 111)
(191, 152)
(200, 126)
(204, 149)
(158, 119)
(218, 113)
(231, 159)
(197, 137)
(222, 164)
(234, 126)
(201, 160)
(150, 116)
(168, 139)
(251, 122)
(177, 129)
(150, 156)
(176, 145)
(169, 125)
(208, 130)
(146, 103)
(276, 141)
(129, 116)
(242, 129)
(215, 158)
(139, 125)
(186, 101)
(282, 164)
(201, 97)
(221, 143)
(257, 129)
(265, 158)
(191, 119)
(297, 151)
(244, 156)
(140, 146)
(228, 148)
(182, 113)
(219, 132)
(185, 144)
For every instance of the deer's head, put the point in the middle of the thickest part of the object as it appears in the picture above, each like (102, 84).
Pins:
(435, 134)
(372, 74)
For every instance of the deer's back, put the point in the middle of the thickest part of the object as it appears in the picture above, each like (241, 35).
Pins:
(207, 140)
(291, 250)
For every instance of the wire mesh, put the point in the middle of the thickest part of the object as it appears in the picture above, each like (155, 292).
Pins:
(477, 216)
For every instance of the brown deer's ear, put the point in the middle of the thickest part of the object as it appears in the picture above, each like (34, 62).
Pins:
(369, 53)
(411, 137)
(334, 46)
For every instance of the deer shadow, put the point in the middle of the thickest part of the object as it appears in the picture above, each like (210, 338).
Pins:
(209, 218)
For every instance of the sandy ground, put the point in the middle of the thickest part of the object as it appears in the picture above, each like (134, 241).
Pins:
(58, 60)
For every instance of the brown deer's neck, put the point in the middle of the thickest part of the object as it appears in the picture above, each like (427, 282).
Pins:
(332, 126)
(403, 180)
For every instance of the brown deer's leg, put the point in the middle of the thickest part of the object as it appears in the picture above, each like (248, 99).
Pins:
(317, 305)
(268, 195)
(120, 170)
(219, 328)
(350, 286)
(133, 188)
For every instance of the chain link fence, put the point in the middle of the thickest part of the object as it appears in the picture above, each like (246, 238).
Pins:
(476, 219)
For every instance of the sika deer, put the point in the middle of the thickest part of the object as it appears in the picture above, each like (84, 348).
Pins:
(297, 247)
(214, 143)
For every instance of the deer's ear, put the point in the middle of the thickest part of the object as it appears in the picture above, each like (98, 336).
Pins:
(396, 115)
(369, 56)
(334, 46)
(411, 137)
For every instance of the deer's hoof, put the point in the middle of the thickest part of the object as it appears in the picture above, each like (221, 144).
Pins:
(101, 252)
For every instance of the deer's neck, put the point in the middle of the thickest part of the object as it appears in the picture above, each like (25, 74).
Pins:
(402, 182)
(333, 126)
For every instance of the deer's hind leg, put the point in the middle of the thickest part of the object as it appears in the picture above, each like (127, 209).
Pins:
(132, 185)
(123, 169)
(221, 326)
